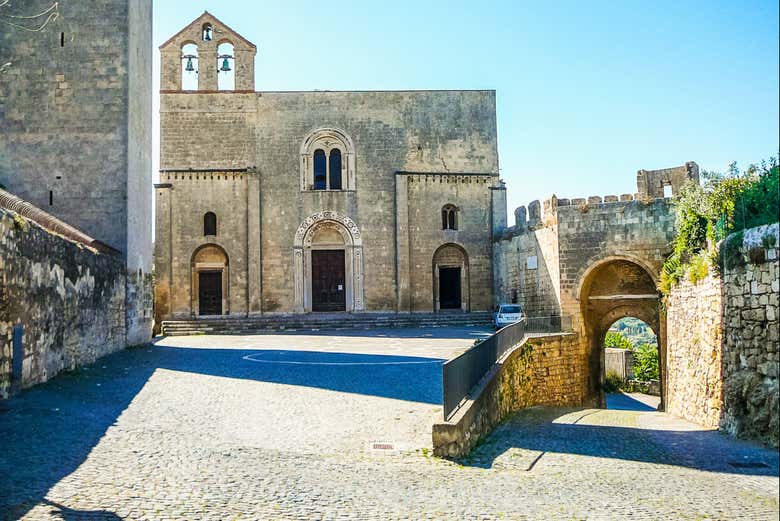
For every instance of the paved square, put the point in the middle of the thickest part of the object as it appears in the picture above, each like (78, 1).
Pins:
(284, 426)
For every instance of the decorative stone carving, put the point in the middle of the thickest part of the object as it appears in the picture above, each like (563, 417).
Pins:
(327, 139)
(353, 256)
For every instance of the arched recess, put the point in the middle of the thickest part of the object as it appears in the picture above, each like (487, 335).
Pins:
(328, 140)
(328, 231)
(210, 281)
(226, 69)
(190, 65)
(451, 288)
(609, 290)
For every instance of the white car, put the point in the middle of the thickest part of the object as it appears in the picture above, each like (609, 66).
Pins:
(507, 314)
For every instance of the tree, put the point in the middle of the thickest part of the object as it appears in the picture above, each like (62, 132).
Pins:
(616, 340)
(646, 363)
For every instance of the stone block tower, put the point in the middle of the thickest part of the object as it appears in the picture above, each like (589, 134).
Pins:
(75, 127)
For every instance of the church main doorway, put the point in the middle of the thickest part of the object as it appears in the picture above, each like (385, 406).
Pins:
(449, 288)
(328, 280)
(210, 292)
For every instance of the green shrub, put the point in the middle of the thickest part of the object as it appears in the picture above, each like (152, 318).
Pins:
(617, 340)
(646, 363)
(612, 382)
(731, 249)
(708, 212)
(768, 241)
(699, 267)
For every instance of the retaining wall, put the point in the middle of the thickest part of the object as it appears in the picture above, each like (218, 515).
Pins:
(547, 370)
(722, 342)
(68, 298)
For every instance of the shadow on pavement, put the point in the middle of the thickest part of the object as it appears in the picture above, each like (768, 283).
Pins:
(69, 514)
(625, 402)
(48, 431)
(539, 431)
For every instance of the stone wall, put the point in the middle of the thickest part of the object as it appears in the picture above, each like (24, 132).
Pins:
(75, 126)
(722, 338)
(547, 370)
(750, 340)
(694, 379)
(68, 298)
(414, 152)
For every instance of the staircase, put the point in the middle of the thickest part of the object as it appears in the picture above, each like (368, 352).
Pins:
(314, 321)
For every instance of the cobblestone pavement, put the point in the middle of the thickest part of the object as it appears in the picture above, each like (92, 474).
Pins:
(282, 427)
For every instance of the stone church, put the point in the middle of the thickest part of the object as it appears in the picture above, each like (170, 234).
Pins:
(324, 201)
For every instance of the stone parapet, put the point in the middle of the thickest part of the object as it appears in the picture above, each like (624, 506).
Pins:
(546, 370)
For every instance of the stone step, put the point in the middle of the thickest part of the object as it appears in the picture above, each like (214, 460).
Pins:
(244, 325)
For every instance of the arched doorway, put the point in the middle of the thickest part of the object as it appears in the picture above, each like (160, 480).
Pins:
(328, 264)
(451, 290)
(632, 365)
(610, 290)
(210, 281)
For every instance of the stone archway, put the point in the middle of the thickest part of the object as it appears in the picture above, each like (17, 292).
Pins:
(328, 231)
(451, 269)
(612, 289)
(210, 266)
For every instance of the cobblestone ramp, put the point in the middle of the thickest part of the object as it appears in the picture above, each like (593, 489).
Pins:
(187, 430)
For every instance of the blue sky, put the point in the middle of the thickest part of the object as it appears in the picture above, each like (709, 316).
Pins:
(587, 92)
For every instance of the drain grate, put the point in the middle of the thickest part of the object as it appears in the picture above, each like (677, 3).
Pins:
(749, 464)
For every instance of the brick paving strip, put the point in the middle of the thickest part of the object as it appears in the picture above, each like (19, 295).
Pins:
(189, 430)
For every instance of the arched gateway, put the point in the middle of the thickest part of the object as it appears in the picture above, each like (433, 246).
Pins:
(611, 289)
(328, 264)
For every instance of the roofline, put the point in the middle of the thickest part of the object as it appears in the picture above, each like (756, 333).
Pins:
(363, 91)
(206, 13)
(405, 172)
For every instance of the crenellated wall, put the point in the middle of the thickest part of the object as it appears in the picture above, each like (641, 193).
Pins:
(595, 259)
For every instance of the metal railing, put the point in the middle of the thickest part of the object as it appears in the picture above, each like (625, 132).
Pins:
(462, 373)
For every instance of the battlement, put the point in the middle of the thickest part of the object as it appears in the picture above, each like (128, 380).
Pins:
(650, 187)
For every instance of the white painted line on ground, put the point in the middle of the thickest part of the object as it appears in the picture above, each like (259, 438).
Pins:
(286, 362)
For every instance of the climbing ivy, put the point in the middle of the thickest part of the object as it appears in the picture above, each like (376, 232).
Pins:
(707, 212)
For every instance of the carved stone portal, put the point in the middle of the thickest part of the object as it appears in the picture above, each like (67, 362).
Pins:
(328, 231)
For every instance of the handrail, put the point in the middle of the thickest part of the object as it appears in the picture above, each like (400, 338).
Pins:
(460, 375)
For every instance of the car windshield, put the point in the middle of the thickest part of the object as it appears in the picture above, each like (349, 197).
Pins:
(510, 309)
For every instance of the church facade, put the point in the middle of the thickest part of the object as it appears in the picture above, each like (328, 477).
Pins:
(298, 202)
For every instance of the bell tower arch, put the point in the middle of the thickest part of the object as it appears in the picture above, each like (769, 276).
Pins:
(210, 37)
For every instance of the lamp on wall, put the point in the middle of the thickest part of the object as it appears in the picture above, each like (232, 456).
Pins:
(225, 63)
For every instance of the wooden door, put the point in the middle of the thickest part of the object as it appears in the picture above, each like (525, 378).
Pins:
(327, 280)
(210, 293)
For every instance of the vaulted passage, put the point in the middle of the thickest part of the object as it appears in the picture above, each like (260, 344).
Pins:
(611, 290)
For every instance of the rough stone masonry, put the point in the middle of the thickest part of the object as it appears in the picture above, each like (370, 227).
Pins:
(75, 128)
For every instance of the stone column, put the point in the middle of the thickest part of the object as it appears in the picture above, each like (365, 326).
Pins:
(254, 245)
(162, 253)
(403, 295)
(498, 203)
